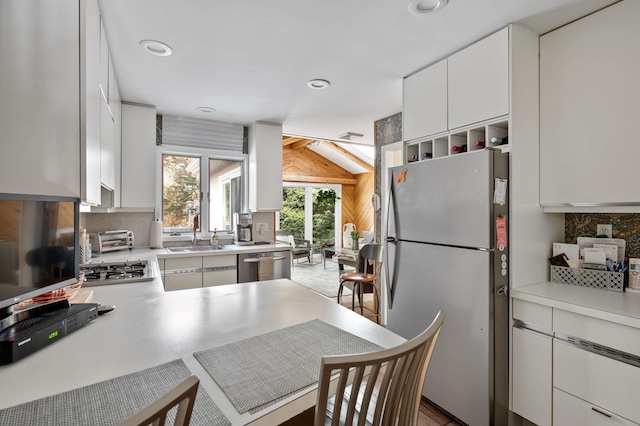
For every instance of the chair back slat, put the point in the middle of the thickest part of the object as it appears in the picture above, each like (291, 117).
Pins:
(378, 388)
(183, 396)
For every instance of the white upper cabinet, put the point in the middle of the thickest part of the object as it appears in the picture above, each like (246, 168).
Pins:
(138, 186)
(39, 92)
(589, 108)
(468, 87)
(265, 167)
(478, 83)
(425, 102)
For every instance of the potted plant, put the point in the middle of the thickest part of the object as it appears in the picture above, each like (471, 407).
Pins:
(355, 236)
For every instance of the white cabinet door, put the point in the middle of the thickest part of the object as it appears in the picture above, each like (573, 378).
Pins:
(589, 109)
(219, 270)
(138, 186)
(265, 167)
(116, 110)
(182, 273)
(107, 147)
(424, 97)
(39, 92)
(478, 81)
(90, 101)
(532, 367)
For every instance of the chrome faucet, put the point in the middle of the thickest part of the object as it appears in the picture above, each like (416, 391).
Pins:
(195, 229)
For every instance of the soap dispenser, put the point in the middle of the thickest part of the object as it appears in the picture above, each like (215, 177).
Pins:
(214, 239)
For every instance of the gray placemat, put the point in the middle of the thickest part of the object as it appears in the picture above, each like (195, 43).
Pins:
(112, 401)
(262, 370)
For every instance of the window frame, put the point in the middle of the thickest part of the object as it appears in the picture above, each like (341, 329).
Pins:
(204, 155)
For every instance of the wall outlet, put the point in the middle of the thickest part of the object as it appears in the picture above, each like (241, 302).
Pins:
(604, 230)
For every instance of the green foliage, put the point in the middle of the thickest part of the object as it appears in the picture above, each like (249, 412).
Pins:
(292, 213)
(180, 186)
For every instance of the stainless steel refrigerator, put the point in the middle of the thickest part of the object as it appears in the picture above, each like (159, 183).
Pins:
(444, 219)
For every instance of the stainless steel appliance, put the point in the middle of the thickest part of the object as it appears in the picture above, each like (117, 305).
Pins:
(444, 254)
(243, 234)
(116, 272)
(106, 241)
(248, 267)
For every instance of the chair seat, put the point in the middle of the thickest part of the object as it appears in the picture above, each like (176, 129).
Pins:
(358, 276)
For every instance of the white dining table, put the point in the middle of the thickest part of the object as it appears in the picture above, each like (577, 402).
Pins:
(150, 327)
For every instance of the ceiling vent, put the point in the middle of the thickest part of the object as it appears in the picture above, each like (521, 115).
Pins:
(349, 136)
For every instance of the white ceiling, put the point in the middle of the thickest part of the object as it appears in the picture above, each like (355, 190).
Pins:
(251, 59)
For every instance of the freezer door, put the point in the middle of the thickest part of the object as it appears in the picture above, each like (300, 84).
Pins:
(456, 281)
(445, 201)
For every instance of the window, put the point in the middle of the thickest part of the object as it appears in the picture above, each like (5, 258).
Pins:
(180, 193)
(311, 212)
(201, 189)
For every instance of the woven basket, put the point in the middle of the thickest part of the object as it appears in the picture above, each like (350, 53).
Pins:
(603, 280)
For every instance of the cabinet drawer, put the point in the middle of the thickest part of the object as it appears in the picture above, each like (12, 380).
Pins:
(214, 261)
(569, 411)
(182, 263)
(210, 279)
(606, 333)
(182, 281)
(533, 313)
(605, 382)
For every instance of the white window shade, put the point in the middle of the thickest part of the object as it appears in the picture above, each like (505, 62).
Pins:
(197, 133)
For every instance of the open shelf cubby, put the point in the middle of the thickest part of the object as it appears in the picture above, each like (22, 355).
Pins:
(490, 134)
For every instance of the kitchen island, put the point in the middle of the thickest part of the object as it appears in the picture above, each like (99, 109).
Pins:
(150, 327)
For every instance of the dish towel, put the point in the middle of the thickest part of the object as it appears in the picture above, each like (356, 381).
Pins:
(265, 268)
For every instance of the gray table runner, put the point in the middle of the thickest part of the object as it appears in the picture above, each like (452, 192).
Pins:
(262, 370)
(112, 401)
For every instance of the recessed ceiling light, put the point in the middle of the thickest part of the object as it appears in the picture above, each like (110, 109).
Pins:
(205, 109)
(422, 7)
(318, 83)
(156, 47)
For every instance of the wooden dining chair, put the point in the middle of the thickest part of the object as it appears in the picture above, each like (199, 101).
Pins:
(364, 278)
(183, 396)
(377, 388)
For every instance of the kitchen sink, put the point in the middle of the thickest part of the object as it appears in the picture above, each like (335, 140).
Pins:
(192, 249)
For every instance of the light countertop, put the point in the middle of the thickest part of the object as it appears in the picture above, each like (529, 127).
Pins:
(619, 307)
(149, 327)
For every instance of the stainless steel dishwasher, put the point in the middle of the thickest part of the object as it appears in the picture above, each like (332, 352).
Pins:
(248, 265)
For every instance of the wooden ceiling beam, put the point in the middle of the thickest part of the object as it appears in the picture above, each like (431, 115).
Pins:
(288, 140)
(349, 155)
(302, 143)
(319, 179)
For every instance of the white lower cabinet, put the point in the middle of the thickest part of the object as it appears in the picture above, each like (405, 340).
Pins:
(219, 270)
(532, 348)
(581, 372)
(532, 376)
(182, 273)
(570, 411)
(602, 381)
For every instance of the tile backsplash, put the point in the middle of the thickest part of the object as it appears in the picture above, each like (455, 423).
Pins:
(139, 223)
(625, 226)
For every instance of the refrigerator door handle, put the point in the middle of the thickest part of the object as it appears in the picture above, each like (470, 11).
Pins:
(390, 238)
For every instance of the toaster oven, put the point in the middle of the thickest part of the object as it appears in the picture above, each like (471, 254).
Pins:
(106, 241)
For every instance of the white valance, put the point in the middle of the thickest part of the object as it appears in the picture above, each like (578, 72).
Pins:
(198, 133)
